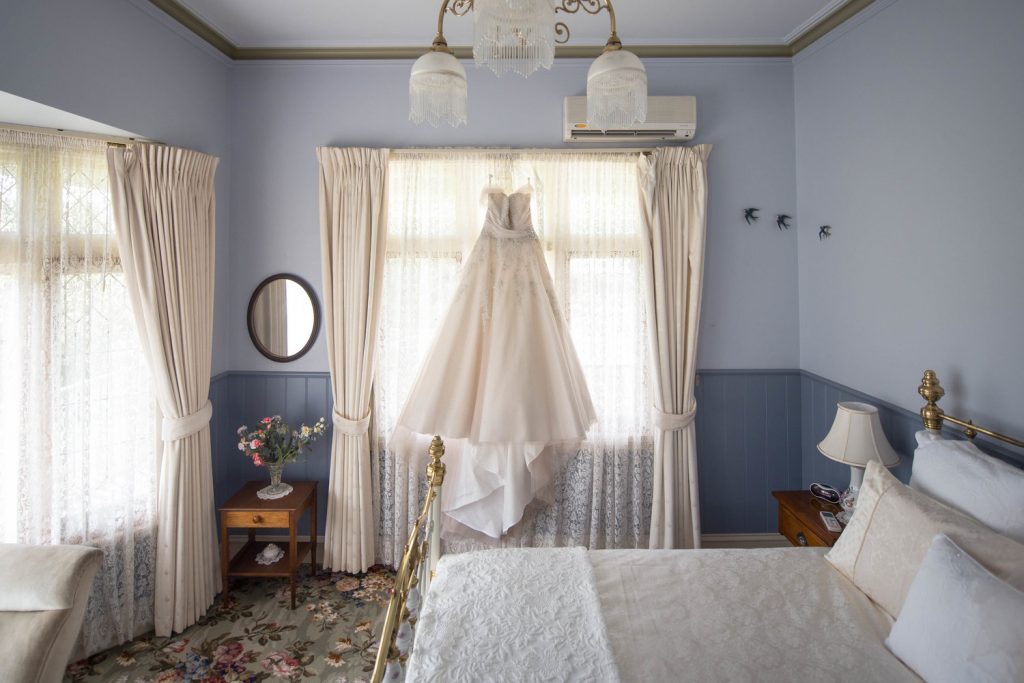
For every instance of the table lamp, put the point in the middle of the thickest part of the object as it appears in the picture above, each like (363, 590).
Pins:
(855, 439)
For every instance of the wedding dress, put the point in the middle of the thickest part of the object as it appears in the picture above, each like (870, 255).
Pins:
(502, 383)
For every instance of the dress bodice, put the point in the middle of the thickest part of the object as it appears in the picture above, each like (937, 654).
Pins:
(508, 215)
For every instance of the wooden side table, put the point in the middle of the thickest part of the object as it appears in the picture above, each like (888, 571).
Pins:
(246, 510)
(799, 520)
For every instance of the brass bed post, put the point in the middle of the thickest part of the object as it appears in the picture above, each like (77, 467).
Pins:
(412, 571)
(933, 416)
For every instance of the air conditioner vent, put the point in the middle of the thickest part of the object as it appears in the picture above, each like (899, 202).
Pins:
(668, 118)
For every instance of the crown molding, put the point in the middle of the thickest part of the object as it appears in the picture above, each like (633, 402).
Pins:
(829, 22)
(810, 34)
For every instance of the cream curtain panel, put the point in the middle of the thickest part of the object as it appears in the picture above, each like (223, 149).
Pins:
(353, 227)
(164, 213)
(587, 212)
(674, 194)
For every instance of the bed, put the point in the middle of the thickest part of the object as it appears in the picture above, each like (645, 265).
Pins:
(779, 614)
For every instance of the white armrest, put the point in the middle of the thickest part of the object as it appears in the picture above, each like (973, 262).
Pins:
(43, 577)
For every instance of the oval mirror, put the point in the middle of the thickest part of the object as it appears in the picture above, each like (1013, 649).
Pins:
(283, 317)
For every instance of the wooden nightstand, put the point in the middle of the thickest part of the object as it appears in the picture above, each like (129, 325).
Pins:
(799, 520)
(246, 510)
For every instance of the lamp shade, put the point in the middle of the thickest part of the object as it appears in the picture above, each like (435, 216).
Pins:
(437, 90)
(856, 437)
(616, 90)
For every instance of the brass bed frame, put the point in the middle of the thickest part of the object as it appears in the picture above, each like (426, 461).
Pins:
(934, 416)
(413, 572)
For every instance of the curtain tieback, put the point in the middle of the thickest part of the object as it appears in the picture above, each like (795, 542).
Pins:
(351, 427)
(673, 422)
(174, 428)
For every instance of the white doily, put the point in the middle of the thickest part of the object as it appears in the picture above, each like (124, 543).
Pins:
(268, 492)
(271, 554)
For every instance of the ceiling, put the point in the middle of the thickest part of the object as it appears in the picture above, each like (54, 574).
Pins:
(267, 29)
(21, 112)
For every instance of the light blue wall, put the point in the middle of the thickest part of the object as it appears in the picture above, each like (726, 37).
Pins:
(909, 144)
(899, 129)
(127, 65)
(281, 112)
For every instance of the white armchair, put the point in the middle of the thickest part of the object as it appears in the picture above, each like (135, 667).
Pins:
(43, 593)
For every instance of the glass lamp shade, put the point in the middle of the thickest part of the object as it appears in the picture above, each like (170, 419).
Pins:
(616, 90)
(514, 35)
(437, 90)
(856, 437)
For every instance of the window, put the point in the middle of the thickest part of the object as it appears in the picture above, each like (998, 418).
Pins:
(586, 210)
(80, 456)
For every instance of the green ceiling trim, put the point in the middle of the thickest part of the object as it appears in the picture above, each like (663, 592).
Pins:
(194, 23)
(829, 22)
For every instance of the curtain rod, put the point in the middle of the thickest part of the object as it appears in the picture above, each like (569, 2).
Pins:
(109, 139)
(522, 150)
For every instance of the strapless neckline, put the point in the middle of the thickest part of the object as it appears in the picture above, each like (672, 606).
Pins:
(508, 215)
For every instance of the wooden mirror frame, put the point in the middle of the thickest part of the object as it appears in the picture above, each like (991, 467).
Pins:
(314, 333)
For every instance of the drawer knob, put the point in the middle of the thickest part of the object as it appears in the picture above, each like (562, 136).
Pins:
(800, 538)
(259, 518)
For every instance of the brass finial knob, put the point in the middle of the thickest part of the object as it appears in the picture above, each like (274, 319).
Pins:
(435, 468)
(931, 391)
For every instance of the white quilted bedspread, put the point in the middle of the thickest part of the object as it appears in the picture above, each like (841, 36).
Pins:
(485, 610)
(773, 615)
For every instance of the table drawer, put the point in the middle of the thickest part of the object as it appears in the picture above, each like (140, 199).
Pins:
(797, 533)
(255, 518)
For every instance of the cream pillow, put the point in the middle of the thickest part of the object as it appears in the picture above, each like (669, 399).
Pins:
(959, 622)
(883, 546)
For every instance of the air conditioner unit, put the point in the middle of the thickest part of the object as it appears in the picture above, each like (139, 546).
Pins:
(668, 118)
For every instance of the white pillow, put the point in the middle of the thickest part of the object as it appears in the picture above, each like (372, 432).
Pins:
(959, 622)
(885, 542)
(958, 474)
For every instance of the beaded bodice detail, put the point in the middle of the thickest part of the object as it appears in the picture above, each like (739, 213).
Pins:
(508, 215)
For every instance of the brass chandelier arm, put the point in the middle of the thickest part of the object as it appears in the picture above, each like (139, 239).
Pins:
(462, 7)
(590, 7)
(456, 7)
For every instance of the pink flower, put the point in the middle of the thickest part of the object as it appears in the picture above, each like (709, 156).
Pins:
(265, 420)
(257, 460)
(177, 646)
(279, 664)
(255, 443)
(228, 652)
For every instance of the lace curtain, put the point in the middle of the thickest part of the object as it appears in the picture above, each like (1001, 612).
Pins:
(79, 459)
(586, 211)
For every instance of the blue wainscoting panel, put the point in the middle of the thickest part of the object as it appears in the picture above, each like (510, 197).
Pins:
(748, 444)
(820, 397)
(243, 398)
(757, 431)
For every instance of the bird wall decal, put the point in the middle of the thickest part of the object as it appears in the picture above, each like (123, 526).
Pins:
(750, 215)
(782, 220)
(824, 232)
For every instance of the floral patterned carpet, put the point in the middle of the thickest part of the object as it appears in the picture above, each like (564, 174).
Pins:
(255, 636)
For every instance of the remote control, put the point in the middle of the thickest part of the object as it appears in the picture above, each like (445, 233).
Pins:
(830, 522)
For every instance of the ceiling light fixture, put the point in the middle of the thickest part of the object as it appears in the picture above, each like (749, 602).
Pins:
(519, 36)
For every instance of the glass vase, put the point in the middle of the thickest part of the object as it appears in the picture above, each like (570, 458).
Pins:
(277, 489)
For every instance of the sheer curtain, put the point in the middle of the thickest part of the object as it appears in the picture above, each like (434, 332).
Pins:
(586, 210)
(79, 459)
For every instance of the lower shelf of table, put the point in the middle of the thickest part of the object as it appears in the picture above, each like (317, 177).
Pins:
(244, 562)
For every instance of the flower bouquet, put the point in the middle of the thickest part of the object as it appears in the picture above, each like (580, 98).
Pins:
(274, 444)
